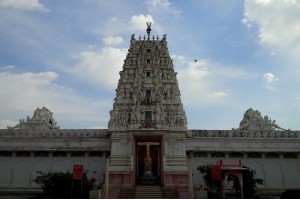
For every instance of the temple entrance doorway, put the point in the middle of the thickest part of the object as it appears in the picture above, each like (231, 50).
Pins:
(148, 162)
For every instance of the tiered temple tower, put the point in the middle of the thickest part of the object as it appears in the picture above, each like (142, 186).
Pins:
(148, 110)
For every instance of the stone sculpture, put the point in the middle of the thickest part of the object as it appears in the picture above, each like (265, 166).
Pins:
(42, 119)
(253, 120)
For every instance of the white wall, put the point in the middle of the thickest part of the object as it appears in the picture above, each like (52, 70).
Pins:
(18, 172)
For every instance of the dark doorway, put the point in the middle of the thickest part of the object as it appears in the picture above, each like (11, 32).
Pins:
(145, 177)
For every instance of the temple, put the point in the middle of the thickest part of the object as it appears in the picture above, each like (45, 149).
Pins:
(148, 110)
(147, 143)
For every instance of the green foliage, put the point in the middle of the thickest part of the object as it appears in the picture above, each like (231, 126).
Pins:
(213, 186)
(58, 185)
(250, 183)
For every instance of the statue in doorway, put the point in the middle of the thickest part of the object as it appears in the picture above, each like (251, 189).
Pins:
(148, 161)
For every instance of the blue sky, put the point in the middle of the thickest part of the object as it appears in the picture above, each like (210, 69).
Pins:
(66, 55)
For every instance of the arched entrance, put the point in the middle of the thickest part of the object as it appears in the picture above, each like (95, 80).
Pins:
(234, 170)
(233, 183)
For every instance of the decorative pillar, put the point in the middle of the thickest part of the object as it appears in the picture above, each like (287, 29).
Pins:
(106, 178)
(191, 193)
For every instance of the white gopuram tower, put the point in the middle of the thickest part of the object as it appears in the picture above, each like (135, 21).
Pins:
(147, 123)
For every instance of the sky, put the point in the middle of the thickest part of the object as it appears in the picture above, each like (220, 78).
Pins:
(66, 56)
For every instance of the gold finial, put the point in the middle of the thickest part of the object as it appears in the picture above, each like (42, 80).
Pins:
(148, 28)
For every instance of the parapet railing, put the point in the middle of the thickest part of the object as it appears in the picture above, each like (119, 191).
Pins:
(242, 133)
(54, 133)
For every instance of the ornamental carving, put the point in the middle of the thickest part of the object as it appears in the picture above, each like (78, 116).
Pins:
(253, 120)
(242, 134)
(42, 119)
(148, 95)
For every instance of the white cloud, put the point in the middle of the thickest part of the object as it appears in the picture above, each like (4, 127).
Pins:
(31, 5)
(277, 22)
(4, 123)
(197, 83)
(21, 94)
(162, 6)
(221, 93)
(138, 22)
(165, 4)
(8, 67)
(110, 40)
(269, 79)
(100, 67)
(26, 90)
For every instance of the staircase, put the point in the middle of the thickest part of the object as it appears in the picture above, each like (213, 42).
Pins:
(127, 193)
(148, 192)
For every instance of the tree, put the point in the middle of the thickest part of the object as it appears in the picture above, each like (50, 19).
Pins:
(58, 185)
(250, 183)
(213, 186)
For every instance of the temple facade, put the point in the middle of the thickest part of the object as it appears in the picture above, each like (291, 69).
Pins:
(147, 141)
(148, 110)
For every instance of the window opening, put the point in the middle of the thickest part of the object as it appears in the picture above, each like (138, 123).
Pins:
(148, 74)
(41, 154)
(148, 115)
(23, 154)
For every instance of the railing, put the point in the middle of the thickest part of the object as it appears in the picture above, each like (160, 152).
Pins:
(243, 133)
(52, 133)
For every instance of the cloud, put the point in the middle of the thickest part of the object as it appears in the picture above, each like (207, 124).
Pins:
(269, 78)
(100, 67)
(162, 6)
(197, 83)
(138, 22)
(30, 5)
(296, 102)
(4, 123)
(22, 93)
(8, 67)
(277, 23)
(111, 41)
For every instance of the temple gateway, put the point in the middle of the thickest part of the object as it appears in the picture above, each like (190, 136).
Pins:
(147, 147)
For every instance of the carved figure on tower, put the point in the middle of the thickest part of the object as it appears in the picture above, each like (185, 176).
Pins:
(42, 119)
(253, 120)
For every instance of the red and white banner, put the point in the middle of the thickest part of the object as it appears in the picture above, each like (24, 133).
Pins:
(216, 172)
(77, 172)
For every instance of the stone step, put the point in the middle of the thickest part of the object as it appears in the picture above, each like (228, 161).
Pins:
(168, 193)
(127, 193)
(148, 192)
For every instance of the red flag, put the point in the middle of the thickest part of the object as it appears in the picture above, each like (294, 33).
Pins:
(77, 172)
(216, 172)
